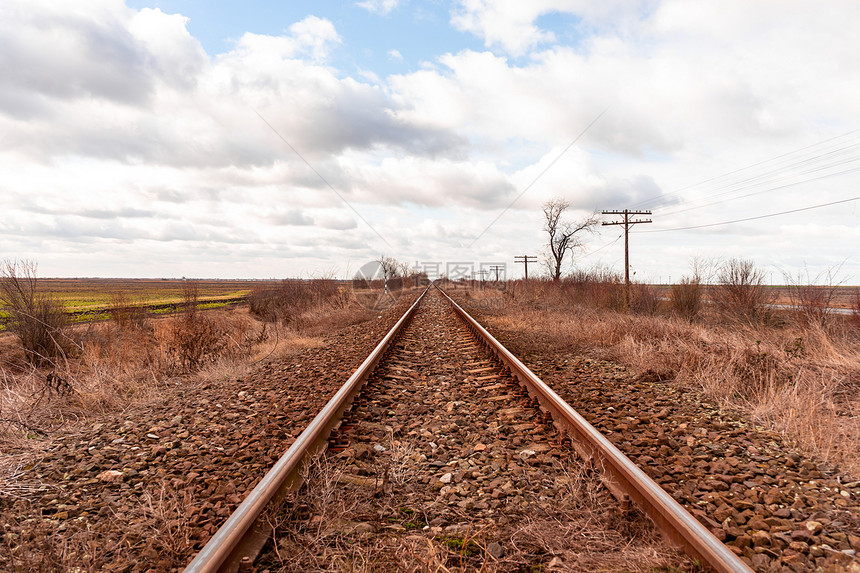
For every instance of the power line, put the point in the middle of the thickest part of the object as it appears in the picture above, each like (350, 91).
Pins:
(753, 218)
(541, 174)
(657, 199)
(792, 184)
(606, 246)
(324, 180)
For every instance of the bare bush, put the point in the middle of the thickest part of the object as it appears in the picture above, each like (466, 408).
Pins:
(812, 297)
(599, 287)
(195, 338)
(741, 292)
(125, 312)
(35, 318)
(685, 298)
(643, 299)
(283, 303)
(290, 300)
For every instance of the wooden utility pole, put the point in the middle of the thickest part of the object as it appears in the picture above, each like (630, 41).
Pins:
(525, 259)
(627, 222)
(497, 268)
(483, 273)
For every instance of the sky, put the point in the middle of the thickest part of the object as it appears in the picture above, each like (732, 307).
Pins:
(260, 139)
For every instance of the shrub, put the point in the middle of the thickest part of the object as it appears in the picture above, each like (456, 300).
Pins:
(599, 287)
(283, 303)
(685, 298)
(36, 319)
(643, 299)
(813, 297)
(195, 338)
(740, 292)
(126, 313)
(286, 302)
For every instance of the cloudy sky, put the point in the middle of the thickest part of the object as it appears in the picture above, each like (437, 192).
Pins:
(204, 138)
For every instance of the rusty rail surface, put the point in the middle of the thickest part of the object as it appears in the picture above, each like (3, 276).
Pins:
(243, 535)
(624, 476)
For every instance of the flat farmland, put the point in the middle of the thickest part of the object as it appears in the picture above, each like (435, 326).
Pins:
(834, 297)
(92, 298)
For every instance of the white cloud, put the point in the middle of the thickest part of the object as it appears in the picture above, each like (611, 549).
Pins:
(128, 135)
(175, 55)
(511, 24)
(507, 23)
(395, 55)
(316, 35)
(382, 7)
(48, 53)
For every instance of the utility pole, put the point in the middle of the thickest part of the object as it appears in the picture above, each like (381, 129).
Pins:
(497, 268)
(525, 259)
(483, 273)
(627, 222)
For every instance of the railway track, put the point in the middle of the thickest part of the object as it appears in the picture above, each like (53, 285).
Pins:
(146, 489)
(453, 442)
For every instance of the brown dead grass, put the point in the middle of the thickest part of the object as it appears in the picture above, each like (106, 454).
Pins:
(316, 530)
(796, 376)
(113, 365)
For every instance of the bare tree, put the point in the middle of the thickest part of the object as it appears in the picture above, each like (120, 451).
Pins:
(388, 266)
(564, 236)
(406, 271)
(393, 274)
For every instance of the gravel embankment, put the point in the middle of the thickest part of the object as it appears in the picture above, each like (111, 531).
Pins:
(770, 505)
(145, 489)
(449, 467)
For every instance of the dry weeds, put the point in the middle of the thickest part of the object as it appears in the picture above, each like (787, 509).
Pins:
(337, 523)
(114, 365)
(799, 377)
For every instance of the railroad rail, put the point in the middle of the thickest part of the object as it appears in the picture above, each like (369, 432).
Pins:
(236, 544)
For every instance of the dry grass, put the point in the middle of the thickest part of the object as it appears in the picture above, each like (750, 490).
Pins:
(113, 365)
(289, 301)
(796, 376)
(336, 524)
(588, 532)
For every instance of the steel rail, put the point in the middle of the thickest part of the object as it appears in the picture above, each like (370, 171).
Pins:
(243, 535)
(671, 518)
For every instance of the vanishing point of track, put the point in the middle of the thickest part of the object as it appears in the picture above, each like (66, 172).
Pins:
(240, 539)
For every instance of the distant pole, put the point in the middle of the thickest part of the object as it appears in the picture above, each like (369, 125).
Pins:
(627, 224)
(497, 268)
(483, 273)
(525, 259)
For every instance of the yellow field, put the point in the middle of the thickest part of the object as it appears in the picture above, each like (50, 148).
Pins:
(78, 295)
(92, 299)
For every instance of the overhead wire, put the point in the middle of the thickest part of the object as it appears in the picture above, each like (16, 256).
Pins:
(781, 172)
(752, 182)
(724, 183)
(607, 245)
(760, 191)
(751, 218)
